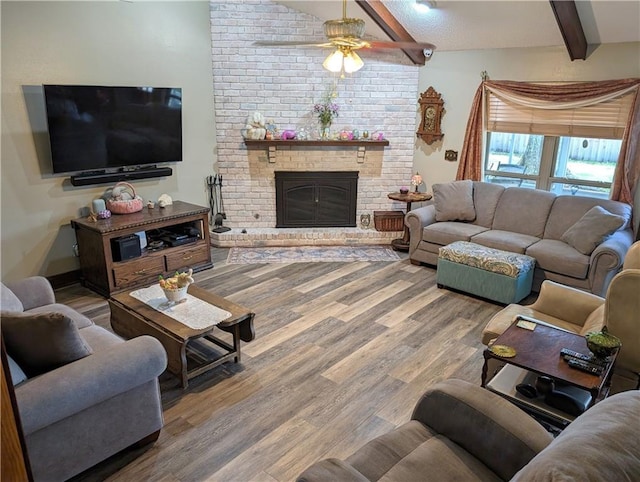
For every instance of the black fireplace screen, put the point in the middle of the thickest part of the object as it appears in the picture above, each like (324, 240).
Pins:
(316, 199)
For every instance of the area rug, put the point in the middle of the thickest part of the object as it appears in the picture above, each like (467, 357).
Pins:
(311, 254)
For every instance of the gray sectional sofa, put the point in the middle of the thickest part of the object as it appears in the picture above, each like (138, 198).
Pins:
(532, 222)
(99, 396)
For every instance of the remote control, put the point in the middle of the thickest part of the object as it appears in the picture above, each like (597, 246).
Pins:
(585, 367)
(581, 356)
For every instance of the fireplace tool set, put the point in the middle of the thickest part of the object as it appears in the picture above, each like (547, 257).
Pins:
(216, 204)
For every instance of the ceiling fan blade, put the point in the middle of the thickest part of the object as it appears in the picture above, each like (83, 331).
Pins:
(402, 45)
(291, 43)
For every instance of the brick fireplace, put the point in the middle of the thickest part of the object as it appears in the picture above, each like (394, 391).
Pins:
(283, 84)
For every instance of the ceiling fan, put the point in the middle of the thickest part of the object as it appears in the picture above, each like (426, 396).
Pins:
(345, 36)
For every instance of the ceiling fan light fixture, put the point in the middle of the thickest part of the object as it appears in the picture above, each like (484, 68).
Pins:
(352, 63)
(344, 27)
(333, 62)
(425, 5)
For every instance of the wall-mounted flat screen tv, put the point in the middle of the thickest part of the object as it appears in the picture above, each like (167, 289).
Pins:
(100, 128)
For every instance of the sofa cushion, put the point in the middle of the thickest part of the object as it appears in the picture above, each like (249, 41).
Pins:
(505, 240)
(9, 301)
(567, 210)
(441, 459)
(379, 455)
(485, 200)
(524, 211)
(99, 339)
(592, 229)
(559, 257)
(448, 232)
(44, 341)
(453, 201)
(601, 444)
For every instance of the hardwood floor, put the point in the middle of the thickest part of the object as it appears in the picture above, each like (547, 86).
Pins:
(342, 353)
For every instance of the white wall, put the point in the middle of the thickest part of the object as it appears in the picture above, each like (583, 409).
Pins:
(456, 75)
(111, 43)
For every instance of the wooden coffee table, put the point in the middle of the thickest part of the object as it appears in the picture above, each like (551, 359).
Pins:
(538, 351)
(131, 317)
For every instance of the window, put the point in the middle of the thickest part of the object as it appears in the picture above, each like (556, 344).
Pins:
(561, 164)
(570, 150)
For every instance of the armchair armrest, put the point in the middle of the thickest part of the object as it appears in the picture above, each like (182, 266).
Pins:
(607, 259)
(415, 220)
(566, 303)
(72, 388)
(33, 292)
(493, 430)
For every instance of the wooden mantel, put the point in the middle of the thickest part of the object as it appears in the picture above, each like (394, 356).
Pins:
(272, 145)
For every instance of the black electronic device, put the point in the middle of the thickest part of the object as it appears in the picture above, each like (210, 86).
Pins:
(178, 240)
(569, 399)
(527, 390)
(568, 354)
(106, 133)
(585, 366)
(126, 247)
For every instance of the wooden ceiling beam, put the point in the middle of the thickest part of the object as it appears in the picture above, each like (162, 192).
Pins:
(568, 20)
(390, 25)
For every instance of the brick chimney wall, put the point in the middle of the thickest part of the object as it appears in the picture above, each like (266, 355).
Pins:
(283, 83)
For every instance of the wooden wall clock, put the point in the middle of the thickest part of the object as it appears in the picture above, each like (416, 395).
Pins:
(431, 112)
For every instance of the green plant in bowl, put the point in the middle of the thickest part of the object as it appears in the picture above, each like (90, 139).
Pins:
(602, 343)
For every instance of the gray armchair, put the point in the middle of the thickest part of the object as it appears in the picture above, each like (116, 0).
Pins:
(82, 412)
(459, 431)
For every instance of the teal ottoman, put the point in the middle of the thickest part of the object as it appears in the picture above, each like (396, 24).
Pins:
(490, 273)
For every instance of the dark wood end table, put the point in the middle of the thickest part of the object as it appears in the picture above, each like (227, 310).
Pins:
(131, 317)
(538, 351)
(402, 244)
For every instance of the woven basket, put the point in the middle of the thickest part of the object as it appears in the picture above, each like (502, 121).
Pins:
(117, 205)
(388, 220)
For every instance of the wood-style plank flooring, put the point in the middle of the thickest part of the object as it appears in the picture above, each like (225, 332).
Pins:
(342, 353)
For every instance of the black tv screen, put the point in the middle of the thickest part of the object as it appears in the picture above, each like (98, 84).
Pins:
(95, 128)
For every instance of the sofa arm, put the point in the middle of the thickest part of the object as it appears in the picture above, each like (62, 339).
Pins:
(330, 470)
(72, 388)
(487, 426)
(606, 260)
(416, 220)
(566, 303)
(33, 292)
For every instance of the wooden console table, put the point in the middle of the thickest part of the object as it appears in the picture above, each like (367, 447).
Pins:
(104, 274)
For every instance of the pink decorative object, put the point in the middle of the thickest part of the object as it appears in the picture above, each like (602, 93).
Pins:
(124, 199)
(378, 136)
(104, 214)
(288, 135)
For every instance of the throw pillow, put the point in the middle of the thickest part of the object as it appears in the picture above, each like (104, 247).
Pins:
(41, 342)
(592, 229)
(454, 201)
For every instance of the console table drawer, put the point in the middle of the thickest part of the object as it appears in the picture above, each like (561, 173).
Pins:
(138, 270)
(188, 257)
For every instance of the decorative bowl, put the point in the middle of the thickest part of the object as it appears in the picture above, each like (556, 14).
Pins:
(602, 343)
(175, 295)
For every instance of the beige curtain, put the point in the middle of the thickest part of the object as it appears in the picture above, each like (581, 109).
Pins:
(545, 96)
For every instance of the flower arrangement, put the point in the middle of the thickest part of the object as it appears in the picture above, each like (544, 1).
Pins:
(327, 109)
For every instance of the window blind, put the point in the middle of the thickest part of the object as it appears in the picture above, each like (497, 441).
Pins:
(605, 120)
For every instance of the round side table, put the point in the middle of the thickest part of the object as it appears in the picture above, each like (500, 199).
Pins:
(402, 244)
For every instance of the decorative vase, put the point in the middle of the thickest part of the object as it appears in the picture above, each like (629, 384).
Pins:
(325, 128)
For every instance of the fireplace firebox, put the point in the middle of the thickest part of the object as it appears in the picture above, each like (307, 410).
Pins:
(316, 198)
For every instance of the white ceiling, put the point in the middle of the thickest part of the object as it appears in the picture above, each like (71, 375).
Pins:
(470, 25)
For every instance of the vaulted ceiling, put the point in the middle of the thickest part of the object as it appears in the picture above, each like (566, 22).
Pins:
(470, 25)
